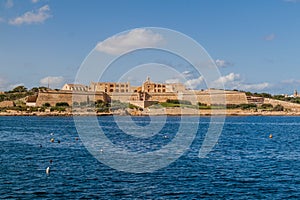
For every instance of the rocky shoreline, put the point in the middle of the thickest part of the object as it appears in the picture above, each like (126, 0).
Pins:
(160, 112)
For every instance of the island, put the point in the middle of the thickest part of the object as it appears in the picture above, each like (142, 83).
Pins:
(150, 98)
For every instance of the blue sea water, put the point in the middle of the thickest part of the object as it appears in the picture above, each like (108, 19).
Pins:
(244, 164)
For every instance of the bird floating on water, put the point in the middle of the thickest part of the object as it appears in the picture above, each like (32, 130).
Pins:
(52, 140)
(270, 136)
(48, 170)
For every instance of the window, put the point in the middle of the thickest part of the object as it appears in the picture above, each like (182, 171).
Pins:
(122, 90)
(111, 90)
(117, 90)
(158, 90)
(164, 90)
(111, 85)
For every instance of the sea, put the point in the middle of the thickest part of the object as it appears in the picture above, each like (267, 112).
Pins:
(253, 157)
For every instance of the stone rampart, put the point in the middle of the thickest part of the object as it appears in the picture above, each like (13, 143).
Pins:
(53, 97)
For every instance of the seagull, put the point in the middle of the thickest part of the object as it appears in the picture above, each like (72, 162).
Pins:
(48, 170)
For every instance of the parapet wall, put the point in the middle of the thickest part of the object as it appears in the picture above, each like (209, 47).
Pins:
(219, 97)
(287, 105)
(53, 97)
(207, 97)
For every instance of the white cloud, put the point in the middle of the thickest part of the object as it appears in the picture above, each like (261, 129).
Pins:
(270, 37)
(223, 63)
(34, 1)
(53, 81)
(234, 81)
(137, 38)
(230, 78)
(257, 86)
(173, 80)
(32, 17)
(9, 4)
(194, 83)
(291, 81)
(187, 74)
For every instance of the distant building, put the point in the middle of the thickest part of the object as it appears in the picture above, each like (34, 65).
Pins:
(31, 101)
(75, 87)
(110, 87)
(151, 87)
(296, 93)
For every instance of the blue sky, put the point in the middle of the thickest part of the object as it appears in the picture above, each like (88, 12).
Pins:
(255, 43)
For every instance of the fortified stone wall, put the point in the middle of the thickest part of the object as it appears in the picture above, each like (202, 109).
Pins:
(4, 104)
(215, 97)
(151, 96)
(162, 97)
(207, 97)
(53, 97)
(287, 105)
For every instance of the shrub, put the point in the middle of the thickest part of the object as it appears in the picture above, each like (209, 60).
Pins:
(278, 108)
(176, 101)
(266, 106)
(56, 108)
(83, 103)
(62, 104)
(75, 104)
(46, 105)
(248, 106)
(201, 104)
(232, 106)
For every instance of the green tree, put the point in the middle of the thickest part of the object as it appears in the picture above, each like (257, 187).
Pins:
(20, 89)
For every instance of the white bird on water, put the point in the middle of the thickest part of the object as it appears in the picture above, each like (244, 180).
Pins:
(48, 170)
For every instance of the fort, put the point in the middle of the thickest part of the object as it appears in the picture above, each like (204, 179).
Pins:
(143, 96)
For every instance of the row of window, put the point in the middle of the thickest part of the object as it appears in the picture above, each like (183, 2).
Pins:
(117, 85)
(117, 90)
(157, 86)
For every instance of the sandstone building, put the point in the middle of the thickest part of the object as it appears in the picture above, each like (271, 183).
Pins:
(146, 94)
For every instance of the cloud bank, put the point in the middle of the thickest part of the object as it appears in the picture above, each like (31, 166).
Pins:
(223, 63)
(32, 17)
(137, 38)
(230, 81)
